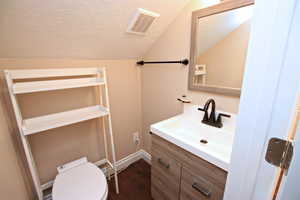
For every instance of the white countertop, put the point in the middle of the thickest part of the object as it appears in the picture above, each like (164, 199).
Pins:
(186, 131)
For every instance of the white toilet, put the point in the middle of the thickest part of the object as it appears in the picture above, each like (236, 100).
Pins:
(79, 180)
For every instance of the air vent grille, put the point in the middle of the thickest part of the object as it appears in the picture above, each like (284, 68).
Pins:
(142, 21)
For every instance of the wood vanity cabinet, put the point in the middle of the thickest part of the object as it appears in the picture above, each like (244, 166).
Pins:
(179, 175)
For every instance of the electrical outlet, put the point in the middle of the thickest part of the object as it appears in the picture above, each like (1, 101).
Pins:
(136, 138)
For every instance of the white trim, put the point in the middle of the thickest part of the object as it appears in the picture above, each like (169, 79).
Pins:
(47, 185)
(128, 160)
(47, 197)
(289, 184)
(101, 162)
(286, 97)
(146, 156)
(262, 80)
(120, 164)
(132, 158)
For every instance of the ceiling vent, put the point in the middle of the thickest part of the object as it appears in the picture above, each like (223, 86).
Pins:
(142, 21)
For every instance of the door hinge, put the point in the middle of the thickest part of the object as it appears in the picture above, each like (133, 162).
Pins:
(280, 153)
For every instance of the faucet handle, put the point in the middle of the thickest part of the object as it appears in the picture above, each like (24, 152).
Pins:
(202, 109)
(224, 115)
(205, 117)
(219, 119)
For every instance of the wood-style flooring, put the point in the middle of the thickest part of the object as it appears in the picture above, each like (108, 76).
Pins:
(134, 183)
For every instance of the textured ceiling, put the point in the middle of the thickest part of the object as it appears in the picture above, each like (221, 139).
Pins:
(79, 28)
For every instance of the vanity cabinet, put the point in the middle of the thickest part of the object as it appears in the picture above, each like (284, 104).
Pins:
(178, 174)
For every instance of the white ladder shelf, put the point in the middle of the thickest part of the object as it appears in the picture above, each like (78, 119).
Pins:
(38, 124)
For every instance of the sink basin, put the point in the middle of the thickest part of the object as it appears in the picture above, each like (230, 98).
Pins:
(209, 143)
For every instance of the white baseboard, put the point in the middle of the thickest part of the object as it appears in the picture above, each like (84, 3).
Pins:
(145, 155)
(128, 160)
(100, 162)
(121, 164)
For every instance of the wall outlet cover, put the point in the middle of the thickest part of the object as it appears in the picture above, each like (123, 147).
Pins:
(136, 138)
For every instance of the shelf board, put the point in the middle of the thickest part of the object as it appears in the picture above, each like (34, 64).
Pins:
(43, 73)
(46, 122)
(198, 73)
(39, 86)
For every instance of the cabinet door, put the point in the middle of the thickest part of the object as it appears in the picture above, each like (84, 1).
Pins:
(165, 176)
(203, 168)
(197, 187)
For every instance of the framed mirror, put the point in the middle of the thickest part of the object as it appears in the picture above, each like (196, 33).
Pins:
(219, 43)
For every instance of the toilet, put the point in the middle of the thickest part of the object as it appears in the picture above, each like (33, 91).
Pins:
(80, 180)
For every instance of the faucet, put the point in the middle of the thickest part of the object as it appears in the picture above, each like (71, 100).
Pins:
(210, 119)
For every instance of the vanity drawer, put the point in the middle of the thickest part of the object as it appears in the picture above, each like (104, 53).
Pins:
(165, 176)
(165, 164)
(212, 173)
(196, 187)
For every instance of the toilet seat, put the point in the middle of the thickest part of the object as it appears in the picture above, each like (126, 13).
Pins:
(82, 182)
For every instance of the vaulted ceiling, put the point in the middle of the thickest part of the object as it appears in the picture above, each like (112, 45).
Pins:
(93, 29)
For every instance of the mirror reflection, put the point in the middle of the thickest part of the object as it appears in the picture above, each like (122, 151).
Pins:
(222, 42)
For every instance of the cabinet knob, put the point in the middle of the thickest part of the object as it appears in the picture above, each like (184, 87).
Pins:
(166, 165)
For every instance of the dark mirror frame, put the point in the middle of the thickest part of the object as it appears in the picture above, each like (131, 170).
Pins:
(224, 6)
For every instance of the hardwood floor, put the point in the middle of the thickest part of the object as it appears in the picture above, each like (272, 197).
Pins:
(134, 183)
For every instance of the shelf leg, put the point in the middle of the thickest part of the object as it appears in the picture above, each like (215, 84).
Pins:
(105, 145)
(26, 145)
(114, 157)
(99, 97)
(32, 168)
(111, 134)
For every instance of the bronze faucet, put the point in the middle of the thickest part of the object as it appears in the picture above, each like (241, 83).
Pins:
(210, 119)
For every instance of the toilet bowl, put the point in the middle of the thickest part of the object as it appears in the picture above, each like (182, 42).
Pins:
(80, 180)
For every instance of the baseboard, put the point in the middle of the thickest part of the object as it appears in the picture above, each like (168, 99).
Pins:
(100, 162)
(121, 164)
(145, 155)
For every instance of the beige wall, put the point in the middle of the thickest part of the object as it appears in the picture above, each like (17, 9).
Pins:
(225, 60)
(64, 144)
(162, 84)
(159, 87)
(12, 182)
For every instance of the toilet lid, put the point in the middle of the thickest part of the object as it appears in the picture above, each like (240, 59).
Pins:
(83, 182)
